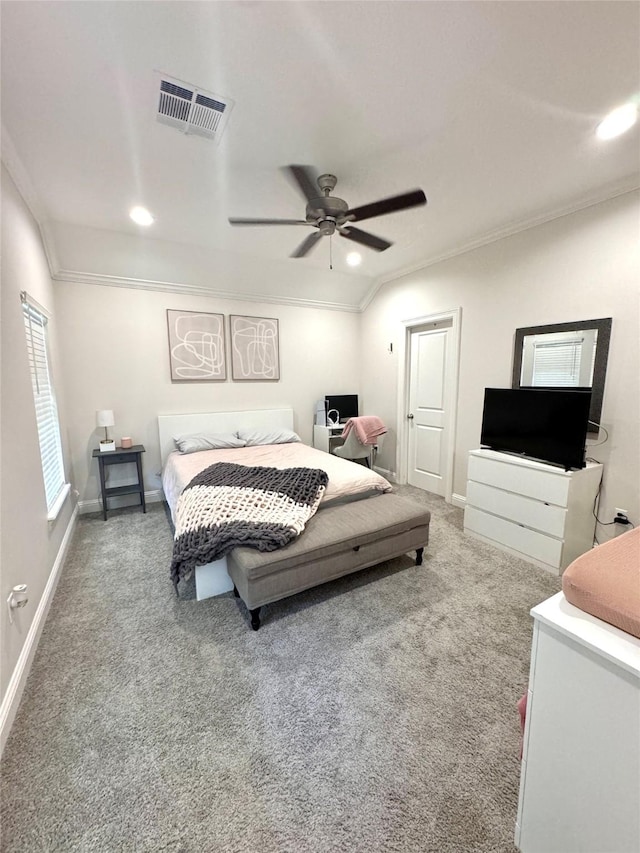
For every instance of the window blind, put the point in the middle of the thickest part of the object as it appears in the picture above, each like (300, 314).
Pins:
(35, 325)
(557, 364)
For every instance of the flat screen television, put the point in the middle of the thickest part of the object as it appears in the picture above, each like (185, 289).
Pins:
(345, 404)
(548, 425)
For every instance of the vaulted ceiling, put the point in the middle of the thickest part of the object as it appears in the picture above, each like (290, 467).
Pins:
(489, 107)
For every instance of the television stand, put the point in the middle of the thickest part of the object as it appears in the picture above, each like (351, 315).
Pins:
(535, 511)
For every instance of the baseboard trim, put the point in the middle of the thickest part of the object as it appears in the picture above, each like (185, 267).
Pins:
(95, 504)
(459, 500)
(388, 475)
(15, 688)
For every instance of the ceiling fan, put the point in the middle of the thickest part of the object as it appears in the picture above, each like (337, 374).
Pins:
(328, 214)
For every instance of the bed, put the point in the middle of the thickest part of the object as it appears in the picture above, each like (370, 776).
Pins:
(347, 481)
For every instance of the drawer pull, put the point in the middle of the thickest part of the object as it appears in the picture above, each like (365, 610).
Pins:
(356, 548)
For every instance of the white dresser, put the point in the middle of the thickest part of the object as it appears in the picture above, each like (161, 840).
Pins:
(538, 512)
(580, 772)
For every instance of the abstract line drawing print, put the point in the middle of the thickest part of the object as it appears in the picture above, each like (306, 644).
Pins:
(196, 346)
(254, 348)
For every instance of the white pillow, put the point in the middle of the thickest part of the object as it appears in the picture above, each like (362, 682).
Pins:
(275, 435)
(215, 441)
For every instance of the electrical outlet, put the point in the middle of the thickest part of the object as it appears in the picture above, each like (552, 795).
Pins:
(618, 511)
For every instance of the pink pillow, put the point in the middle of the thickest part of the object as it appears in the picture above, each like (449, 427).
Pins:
(606, 582)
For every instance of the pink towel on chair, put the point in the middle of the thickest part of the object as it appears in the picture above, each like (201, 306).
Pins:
(367, 428)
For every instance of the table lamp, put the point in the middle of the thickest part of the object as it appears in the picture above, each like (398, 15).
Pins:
(104, 418)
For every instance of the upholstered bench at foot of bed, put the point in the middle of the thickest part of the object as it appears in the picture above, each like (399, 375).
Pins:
(338, 540)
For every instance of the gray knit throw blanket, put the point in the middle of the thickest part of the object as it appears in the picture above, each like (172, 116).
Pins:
(227, 506)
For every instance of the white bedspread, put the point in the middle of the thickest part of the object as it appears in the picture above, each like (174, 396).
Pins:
(346, 479)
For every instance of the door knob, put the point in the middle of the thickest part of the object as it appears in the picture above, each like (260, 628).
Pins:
(409, 417)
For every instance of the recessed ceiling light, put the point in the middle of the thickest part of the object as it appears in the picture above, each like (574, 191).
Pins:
(354, 259)
(141, 216)
(617, 121)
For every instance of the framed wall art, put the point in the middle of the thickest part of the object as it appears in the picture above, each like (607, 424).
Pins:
(255, 348)
(196, 346)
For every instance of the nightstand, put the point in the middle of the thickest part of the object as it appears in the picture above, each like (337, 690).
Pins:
(117, 457)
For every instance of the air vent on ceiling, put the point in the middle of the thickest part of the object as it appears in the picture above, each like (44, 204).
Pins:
(192, 110)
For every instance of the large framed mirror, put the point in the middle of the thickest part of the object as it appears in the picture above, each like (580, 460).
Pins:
(564, 355)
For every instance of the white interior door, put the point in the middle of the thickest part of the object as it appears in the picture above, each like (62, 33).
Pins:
(429, 401)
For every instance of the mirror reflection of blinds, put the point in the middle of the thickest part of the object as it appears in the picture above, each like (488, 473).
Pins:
(35, 325)
(557, 365)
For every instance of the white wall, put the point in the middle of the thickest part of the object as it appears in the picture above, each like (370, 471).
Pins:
(30, 546)
(115, 355)
(579, 267)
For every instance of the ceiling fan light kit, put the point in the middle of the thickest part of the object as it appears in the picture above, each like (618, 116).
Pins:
(329, 214)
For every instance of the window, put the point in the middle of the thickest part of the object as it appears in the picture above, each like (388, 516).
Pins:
(35, 326)
(557, 364)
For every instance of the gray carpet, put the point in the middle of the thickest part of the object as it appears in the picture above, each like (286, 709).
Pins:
(375, 713)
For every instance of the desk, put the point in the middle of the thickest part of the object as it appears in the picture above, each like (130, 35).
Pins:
(118, 457)
(327, 437)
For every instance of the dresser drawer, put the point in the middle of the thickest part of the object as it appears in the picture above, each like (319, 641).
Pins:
(527, 542)
(546, 518)
(544, 485)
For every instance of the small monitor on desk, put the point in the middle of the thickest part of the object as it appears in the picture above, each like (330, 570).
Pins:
(345, 404)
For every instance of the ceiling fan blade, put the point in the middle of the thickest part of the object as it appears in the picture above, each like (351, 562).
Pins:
(307, 244)
(240, 221)
(388, 205)
(369, 240)
(305, 178)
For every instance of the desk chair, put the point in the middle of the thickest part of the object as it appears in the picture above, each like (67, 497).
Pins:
(352, 449)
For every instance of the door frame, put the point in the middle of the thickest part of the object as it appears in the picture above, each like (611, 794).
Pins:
(404, 374)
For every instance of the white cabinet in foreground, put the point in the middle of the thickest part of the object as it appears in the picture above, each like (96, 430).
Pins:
(580, 772)
(538, 512)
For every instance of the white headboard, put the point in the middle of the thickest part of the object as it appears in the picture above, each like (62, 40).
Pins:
(172, 426)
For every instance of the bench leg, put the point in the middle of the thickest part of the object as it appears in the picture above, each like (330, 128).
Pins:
(255, 613)
(255, 618)
(419, 553)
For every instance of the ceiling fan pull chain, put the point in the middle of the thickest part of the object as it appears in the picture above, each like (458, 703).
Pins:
(331, 251)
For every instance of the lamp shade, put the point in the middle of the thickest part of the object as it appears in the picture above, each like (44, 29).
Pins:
(104, 418)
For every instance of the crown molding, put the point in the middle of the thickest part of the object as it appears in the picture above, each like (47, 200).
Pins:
(623, 187)
(20, 176)
(24, 184)
(49, 247)
(75, 277)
